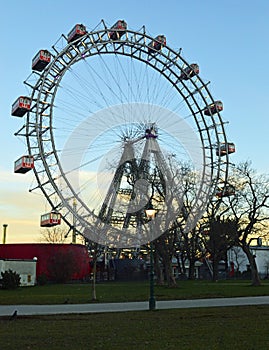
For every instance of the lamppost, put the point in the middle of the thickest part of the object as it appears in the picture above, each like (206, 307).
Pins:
(151, 212)
(74, 221)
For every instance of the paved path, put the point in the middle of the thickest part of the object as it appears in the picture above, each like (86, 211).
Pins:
(7, 310)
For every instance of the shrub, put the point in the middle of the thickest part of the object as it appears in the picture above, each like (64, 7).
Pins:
(10, 279)
(42, 279)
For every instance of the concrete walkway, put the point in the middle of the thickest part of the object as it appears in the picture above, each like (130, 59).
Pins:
(7, 310)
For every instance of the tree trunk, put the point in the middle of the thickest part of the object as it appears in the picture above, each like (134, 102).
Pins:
(191, 269)
(215, 265)
(171, 281)
(158, 270)
(255, 278)
(183, 267)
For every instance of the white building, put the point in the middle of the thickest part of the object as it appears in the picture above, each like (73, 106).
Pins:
(237, 257)
(24, 267)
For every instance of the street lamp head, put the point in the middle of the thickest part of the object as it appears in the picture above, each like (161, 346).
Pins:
(150, 211)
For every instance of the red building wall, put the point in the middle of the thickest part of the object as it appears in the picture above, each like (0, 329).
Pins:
(44, 252)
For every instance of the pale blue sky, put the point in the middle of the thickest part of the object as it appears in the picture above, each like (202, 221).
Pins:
(229, 40)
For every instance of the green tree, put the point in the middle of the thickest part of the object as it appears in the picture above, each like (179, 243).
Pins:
(10, 279)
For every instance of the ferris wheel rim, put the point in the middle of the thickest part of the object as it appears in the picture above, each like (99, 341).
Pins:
(171, 58)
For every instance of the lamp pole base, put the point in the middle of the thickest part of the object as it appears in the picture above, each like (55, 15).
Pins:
(152, 303)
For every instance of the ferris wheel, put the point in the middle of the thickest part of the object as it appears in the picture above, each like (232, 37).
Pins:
(104, 104)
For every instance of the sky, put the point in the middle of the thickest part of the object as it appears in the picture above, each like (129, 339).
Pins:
(229, 40)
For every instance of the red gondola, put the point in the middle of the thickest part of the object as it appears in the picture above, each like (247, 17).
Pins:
(117, 30)
(21, 106)
(214, 108)
(157, 44)
(225, 148)
(226, 191)
(50, 219)
(24, 164)
(41, 60)
(77, 31)
(189, 71)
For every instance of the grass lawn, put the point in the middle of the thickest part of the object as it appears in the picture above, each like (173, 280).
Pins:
(244, 327)
(186, 329)
(128, 291)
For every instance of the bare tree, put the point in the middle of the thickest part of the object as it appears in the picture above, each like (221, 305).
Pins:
(165, 250)
(238, 257)
(168, 243)
(222, 236)
(249, 208)
(189, 240)
(55, 234)
(191, 248)
(96, 251)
